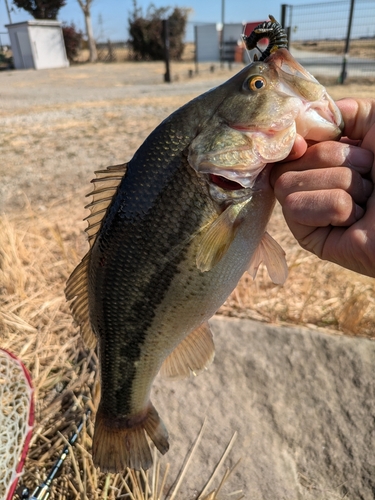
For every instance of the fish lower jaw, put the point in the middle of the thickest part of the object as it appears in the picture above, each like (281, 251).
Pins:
(320, 121)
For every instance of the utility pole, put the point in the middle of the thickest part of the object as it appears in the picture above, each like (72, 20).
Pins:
(7, 6)
(222, 33)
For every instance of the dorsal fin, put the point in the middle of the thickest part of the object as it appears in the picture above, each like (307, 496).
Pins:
(194, 354)
(76, 291)
(106, 184)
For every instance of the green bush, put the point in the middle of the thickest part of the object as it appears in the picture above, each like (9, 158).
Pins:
(41, 9)
(146, 32)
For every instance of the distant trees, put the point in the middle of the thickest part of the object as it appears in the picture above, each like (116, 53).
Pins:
(146, 34)
(41, 9)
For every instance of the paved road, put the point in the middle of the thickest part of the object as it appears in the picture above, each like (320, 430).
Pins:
(324, 64)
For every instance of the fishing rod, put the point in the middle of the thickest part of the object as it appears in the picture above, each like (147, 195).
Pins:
(42, 492)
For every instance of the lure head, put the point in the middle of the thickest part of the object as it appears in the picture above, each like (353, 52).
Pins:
(272, 30)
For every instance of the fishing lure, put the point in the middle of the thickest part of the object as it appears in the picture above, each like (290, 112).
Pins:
(272, 30)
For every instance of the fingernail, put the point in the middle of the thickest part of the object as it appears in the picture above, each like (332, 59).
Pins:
(298, 149)
(359, 159)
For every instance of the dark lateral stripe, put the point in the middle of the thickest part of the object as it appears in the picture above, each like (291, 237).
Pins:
(130, 270)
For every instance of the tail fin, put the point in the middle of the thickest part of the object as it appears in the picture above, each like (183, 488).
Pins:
(119, 443)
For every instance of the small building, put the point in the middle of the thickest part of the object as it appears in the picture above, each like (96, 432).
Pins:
(232, 38)
(206, 43)
(37, 44)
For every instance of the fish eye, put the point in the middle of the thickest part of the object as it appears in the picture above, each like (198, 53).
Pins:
(257, 82)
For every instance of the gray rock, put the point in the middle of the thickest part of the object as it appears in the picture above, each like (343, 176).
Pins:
(301, 401)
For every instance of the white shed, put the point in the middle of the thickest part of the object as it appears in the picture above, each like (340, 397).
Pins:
(37, 44)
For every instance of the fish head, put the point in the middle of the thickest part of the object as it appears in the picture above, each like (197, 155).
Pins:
(319, 118)
(259, 113)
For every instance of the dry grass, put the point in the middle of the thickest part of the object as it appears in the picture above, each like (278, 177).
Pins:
(37, 254)
(117, 53)
(41, 244)
(358, 48)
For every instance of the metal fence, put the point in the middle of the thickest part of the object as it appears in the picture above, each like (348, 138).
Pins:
(333, 39)
(112, 51)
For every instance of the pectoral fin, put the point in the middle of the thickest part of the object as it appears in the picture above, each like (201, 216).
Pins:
(194, 354)
(218, 237)
(273, 257)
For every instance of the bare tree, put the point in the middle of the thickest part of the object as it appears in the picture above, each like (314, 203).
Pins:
(86, 6)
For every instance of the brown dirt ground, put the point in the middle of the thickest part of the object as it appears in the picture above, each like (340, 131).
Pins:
(59, 126)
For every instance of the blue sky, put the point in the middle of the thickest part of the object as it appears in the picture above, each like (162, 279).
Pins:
(110, 17)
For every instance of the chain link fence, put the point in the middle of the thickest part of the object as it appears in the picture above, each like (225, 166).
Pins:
(333, 39)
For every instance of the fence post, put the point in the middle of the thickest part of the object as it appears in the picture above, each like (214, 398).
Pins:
(167, 75)
(196, 48)
(283, 14)
(284, 10)
(347, 43)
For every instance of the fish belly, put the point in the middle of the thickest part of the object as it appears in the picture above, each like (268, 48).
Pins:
(194, 296)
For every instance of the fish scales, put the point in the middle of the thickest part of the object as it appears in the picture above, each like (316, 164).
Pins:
(173, 233)
(136, 249)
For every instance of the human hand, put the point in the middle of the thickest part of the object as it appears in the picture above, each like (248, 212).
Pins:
(327, 195)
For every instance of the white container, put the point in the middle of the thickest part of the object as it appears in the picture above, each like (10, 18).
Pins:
(37, 44)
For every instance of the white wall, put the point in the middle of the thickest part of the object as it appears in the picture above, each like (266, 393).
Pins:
(48, 47)
(207, 43)
(37, 45)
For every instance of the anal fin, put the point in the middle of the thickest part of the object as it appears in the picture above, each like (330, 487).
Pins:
(119, 443)
(194, 354)
(273, 257)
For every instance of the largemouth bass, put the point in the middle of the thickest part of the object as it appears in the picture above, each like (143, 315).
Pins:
(171, 234)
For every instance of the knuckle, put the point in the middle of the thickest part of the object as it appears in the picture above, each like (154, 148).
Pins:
(329, 153)
(341, 206)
